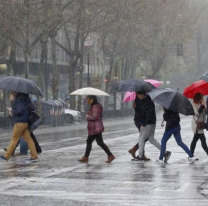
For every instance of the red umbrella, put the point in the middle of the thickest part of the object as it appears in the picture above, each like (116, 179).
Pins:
(200, 86)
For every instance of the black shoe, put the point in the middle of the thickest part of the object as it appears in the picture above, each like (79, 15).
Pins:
(138, 159)
(167, 156)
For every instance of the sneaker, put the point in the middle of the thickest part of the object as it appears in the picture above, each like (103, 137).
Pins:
(3, 158)
(32, 160)
(167, 156)
(191, 159)
(159, 161)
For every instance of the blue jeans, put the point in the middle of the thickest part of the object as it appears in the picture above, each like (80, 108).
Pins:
(177, 134)
(23, 146)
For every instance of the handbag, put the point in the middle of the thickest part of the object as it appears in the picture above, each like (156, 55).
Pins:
(34, 121)
(200, 125)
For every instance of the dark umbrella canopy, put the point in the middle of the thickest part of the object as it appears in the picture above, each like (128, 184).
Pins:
(172, 100)
(133, 85)
(19, 84)
(204, 76)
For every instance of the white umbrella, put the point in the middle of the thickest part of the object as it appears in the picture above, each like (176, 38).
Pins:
(89, 91)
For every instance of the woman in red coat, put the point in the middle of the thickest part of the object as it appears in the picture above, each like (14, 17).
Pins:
(95, 129)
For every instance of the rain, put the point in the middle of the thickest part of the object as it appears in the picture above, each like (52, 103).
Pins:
(89, 89)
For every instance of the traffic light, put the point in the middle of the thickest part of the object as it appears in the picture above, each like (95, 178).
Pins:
(106, 80)
(179, 49)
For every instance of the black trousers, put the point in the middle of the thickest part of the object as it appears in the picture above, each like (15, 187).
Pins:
(37, 146)
(99, 140)
(195, 140)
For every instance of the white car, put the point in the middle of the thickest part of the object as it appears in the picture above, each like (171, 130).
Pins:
(72, 116)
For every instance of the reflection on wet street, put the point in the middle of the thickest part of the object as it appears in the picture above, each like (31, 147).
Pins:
(59, 179)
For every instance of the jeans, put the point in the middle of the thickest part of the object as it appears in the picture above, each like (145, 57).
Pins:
(177, 134)
(203, 142)
(23, 146)
(99, 140)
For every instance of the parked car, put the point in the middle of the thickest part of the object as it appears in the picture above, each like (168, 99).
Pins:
(72, 116)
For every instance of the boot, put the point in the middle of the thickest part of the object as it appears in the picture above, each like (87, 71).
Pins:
(110, 159)
(145, 158)
(83, 159)
(132, 151)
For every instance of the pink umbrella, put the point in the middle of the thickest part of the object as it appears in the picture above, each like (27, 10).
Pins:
(130, 96)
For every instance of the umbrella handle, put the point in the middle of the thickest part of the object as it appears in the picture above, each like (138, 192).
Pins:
(162, 123)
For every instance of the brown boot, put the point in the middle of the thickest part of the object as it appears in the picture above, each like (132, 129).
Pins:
(145, 158)
(132, 151)
(110, 159)
(83, 159)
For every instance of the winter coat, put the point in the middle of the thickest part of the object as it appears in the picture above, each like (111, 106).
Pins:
(148, 115)
(200, 116)
(137, 115)
(172, 119)
(95, 121)
(21, 108)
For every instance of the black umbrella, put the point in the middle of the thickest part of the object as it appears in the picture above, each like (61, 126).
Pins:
(133, 85)
(19, 84)
(204, 77)
(172, 100)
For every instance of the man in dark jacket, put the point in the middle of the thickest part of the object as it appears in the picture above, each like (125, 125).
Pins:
(137, 121)
(148, 123)
(20, 113)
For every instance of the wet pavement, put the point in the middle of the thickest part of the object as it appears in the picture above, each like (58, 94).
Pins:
(59, 179)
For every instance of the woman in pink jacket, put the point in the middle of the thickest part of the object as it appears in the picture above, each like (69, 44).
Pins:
(95, 129)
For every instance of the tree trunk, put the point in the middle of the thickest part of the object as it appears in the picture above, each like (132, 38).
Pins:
(55, 82)
(109, 81)
(41, 76)
(103, 76)
(26, 55)
(79, 104)
(72, 63)
(12, 61)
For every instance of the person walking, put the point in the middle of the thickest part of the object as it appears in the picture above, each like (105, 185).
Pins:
(23, 144)
(200, 111)
(173, 128)
(20, 113)
(95, 129)
(137, 121)
(148, 124)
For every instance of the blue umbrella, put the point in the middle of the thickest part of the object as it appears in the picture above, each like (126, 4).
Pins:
(19, 84)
